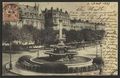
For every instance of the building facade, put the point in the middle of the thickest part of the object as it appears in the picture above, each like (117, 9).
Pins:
(54, 16)
(29, 15)
(80, 24)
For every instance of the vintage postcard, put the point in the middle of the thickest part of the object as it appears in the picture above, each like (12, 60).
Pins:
(59, 38)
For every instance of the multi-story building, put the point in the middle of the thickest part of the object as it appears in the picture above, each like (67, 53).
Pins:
(54, 16)
(100, 26)
(80, 24)
(29, 15)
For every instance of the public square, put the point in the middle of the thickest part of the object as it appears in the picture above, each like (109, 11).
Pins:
(88, 52)
(51, 40)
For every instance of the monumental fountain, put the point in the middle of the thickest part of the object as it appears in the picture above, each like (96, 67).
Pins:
(61, 59)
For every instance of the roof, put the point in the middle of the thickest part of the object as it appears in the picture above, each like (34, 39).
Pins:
(26, 8)
(54, 11)
(82, 21)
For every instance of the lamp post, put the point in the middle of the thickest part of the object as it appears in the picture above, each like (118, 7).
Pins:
(96, 49)
(10, 64)
(101, 49)
(38, 53)
(102, 64)
(10, 51)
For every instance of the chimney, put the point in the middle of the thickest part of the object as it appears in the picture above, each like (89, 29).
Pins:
(51, 8)
(45, 9)
(35, 5)
(66, 12)
(61, 10)
(57, 9)
(27, 6)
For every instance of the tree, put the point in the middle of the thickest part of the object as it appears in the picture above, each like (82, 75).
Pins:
(15, 33)
(71, 36)
(6, 33)
(50, 36)
(10, 33)
(25, 34)
(37, 34)
(80, 36)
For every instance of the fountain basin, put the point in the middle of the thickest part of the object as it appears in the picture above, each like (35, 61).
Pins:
(50, 65)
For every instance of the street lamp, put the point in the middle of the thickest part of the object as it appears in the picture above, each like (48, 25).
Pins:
(38, 53)
(96, 48)
(102, 64)
(101, 49)
(10, 64)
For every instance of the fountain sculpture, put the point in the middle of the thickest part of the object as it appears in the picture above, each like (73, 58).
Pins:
(62, 59)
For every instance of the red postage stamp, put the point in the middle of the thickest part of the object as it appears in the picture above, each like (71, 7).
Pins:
(10, 12)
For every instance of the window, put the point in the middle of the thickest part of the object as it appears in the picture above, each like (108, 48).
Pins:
(55, 20)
